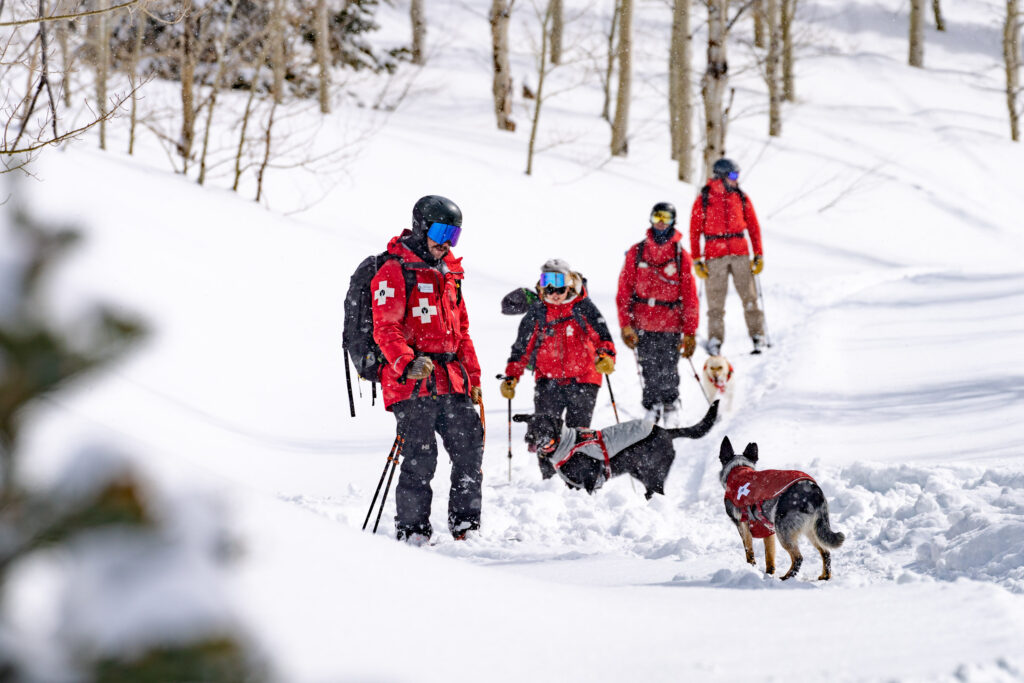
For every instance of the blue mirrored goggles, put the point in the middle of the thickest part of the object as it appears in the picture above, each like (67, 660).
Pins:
(442, 232)
(556, 280)
(734, 175)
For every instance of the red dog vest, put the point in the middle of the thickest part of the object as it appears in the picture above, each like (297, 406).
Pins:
(748, 489)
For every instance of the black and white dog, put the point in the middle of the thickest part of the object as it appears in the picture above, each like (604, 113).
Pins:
(766, 503)
(587, 458)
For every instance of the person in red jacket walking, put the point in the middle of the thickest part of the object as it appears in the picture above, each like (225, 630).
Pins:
(432, 376)
(724, 217)
(565, 340)
(658, 311)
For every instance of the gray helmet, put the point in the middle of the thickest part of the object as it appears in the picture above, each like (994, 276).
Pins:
(434, 209)
(723, 167)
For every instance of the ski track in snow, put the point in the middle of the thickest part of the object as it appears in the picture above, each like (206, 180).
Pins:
(903, 522)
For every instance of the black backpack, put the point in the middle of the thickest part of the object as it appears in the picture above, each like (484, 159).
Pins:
(357, 336)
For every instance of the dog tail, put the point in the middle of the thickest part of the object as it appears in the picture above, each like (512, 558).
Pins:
(700, 429)
(823, 530)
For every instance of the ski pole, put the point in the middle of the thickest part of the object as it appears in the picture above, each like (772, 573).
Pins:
(760, 295)
(394, 466)
(509, 430)
(510, 440)
(348, 383)
(612, 394)
(696, 377)
(483, 422)
(381, 482)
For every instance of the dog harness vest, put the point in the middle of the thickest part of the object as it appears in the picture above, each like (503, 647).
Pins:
(750, 489)
(599, 444)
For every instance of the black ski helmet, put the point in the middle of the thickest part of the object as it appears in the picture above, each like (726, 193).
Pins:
(434, 209)
(723, 167)
(665, 206)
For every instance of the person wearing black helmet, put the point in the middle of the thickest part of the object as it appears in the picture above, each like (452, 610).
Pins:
(724, 216)
(658, 311)
(432, 376)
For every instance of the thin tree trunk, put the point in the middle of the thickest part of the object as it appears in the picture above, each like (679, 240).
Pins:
(916, 51)
(760, 28)
(240, 154)
(188, 69)
(215, 88)
(788, 12)
(501, 86)
(539, 99)
(266, 151)
(278, 49)
(66, 59)
(1012, 58)
(323, 55)
(680, 89)
(133, 76)
(940, 24)
(714, 84)
(557, 27)
(620, 126)
(419, 30)
(771, 69)
(610, 68)
(102, 69)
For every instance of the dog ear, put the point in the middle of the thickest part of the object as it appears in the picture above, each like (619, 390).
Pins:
(521, 418)
(750, 452)
(726, 453)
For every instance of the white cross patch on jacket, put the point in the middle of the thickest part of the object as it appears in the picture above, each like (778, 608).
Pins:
(425, 311)
(383, 292)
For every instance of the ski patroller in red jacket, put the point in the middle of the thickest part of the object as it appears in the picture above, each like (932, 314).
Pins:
(431, 320)
(561, 341)
(750, 489)
(657, 291)
(725, 222)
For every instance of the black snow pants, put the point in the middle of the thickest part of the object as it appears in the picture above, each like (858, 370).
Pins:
(658, 353)
(456, 420)
(576, 399)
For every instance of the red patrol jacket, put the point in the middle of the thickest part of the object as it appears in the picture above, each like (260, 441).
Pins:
(728, 215)
(561, 341)
(432, 321)
(657, 291)
(749, 489)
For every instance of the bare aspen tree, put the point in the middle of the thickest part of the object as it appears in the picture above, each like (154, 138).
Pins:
(542, 70)
(323, 56)
(610, 65)
(215, 85)
(62, 29)
(277, 30)
(133, 78)
(31, 121)
(760, 26)
(940, 24)
(501, 86)
(714, 84)
(188, 71)
(786, 15)
(680, 86)
(101, 55)
(419, 30)
(916, 51)
(557, 28)
(1012, 58)
(771, 67)
(620, 125)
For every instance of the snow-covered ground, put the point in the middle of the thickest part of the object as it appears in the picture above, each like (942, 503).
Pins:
(894, 296)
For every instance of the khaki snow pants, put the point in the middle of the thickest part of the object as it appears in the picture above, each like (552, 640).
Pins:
(718, 286)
